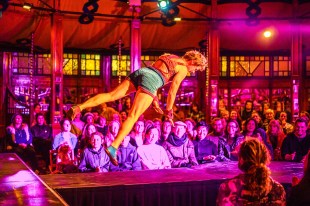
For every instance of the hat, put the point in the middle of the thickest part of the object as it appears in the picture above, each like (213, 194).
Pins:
(180, 123)
(202, 124)
(86, 115)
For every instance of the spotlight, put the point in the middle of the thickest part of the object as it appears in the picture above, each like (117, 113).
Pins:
(27, 6)
(267, 34)
(164, 4)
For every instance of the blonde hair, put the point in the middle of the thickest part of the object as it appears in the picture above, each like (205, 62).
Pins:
(198, 57)
(253, 160)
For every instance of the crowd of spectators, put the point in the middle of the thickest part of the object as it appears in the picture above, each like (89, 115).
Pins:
(157, 144)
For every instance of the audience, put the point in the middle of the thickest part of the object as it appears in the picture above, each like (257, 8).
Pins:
(94, 158)
(153, 156)
(234, 139)
(20, 138)
(180, 149)
(275, 137)
(42, 137)
(127, 157)
(296, 145)
(205, 150)
(65, 135)
(255, 185)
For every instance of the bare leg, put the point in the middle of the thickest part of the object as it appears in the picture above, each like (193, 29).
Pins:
(141, 102)
(126, 87)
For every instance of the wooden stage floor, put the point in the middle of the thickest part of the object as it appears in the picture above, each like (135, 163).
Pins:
(171, 187)
(21, 186)
(181, 186)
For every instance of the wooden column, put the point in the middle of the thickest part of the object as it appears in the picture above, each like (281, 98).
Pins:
(298, 93)
(135, 45)
(214, 70)
(57, 73)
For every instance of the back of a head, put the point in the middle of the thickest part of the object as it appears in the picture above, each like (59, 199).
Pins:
(253, 160)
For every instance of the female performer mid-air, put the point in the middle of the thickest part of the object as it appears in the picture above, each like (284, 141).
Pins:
(145, 82)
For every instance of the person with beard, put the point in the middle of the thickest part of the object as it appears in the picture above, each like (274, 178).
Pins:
(218, 131)
(296, 145)
(180, 149)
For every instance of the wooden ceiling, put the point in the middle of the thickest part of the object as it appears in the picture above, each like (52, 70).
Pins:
(112, 22)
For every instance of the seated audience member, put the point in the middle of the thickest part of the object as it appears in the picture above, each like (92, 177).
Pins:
(286, 127)
(234, 115)
(180, 149)
(113, 130)
(275, 137)
(300, 191)
(166, 129)
(42, 137)
(297, 144)
(127, 157)
(102, 126)
(251, 130)
(153, 156)
(137, 134)
(255, 185)
(178, 114)
(94, 158)
(77, 125)
(190, 130)
(217, 131)
(269, 115)
(157, 123)
(247, 111)
(256, 116)
(205, 150)
(195, 113)
(65, 160)
(20, 138)
(65, 135)
(233, 138)
(123, 115)
(85, 138)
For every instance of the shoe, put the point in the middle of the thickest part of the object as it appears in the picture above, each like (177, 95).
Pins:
(111, 152)
(72, 112)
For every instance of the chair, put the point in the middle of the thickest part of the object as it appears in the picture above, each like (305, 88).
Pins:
(53, 155)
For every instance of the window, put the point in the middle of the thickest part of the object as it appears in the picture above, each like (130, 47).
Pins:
(255, 66)
(83, 64)
(281, 66)
(122, 67)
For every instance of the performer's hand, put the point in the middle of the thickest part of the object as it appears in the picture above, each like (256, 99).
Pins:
(295, 181)
(73, 111)
(169, 115)
(156, 106)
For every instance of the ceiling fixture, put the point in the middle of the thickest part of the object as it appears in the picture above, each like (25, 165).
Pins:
(27, 6)
(170, 12)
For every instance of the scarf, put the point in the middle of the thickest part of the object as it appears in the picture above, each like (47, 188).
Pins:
(175, 140)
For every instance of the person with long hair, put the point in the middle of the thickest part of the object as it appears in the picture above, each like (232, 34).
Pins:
(145, 82)
(275, 137)
(254, 186)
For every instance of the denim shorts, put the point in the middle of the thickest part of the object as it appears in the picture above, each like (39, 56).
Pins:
(148, 79)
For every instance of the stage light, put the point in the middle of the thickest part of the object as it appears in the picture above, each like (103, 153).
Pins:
(267, 34)
(177, 19)
(27, 6)
(164, 4)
